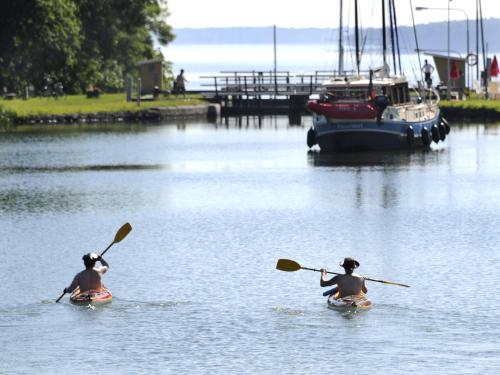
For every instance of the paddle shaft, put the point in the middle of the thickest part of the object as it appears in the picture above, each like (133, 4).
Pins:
(366, 278)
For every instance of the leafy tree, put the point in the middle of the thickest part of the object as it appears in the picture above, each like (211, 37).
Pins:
(80, 43)
(38, 39)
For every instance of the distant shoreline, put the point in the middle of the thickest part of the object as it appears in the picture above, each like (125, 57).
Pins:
(429, 35)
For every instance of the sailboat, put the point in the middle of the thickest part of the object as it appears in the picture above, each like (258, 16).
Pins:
(373, 110)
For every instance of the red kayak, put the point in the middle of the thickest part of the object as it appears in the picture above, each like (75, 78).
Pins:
(91, 297)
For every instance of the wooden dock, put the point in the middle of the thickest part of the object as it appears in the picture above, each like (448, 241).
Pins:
(263, 92)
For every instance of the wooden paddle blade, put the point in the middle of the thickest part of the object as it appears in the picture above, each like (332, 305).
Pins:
(287, 265)
(122, 232)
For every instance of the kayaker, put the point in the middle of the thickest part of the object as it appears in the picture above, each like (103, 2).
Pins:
(348, 284)
(90, 278)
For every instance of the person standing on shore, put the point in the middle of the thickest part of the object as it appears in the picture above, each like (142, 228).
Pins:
(428, 69)
(179, 85)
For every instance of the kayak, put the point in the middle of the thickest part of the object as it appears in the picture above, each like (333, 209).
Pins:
(93, 297)
(359, 301)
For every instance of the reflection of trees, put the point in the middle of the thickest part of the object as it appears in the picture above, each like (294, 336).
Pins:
(29, 201)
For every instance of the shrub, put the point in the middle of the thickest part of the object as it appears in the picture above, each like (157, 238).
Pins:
(7, 117)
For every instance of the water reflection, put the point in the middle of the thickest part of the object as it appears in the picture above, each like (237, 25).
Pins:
(373, 159)
(371, 178)
(84, 168)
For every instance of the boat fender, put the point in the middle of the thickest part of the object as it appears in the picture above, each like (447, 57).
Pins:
(410, 135)
(445, 123)
(311, 138)
(426, 139)
(435, 133)
(381, 103)
(442, 131)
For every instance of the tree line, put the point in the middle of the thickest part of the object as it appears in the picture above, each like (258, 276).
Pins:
(77, 43)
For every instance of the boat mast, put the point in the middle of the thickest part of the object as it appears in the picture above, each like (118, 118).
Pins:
(397, 36)
(341, 48)
(485, 65)
(477, 40)
(356, 29)
(391, 28)
(384, 43)
(416, 42)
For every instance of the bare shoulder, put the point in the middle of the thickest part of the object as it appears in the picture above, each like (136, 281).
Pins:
(102, 270)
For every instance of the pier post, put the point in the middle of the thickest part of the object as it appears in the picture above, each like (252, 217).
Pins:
(139, 89)
(129, 88)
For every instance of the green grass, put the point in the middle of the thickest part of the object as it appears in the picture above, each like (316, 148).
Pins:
(472, 104)
(81, 104)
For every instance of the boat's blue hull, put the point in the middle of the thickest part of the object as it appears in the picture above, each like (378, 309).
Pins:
(351, 135)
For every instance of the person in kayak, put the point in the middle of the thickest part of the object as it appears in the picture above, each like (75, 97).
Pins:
(90, 278)
(348, 284)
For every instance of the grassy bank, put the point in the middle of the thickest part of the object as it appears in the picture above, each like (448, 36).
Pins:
(81, 104)
(473, 108)
(472, 104)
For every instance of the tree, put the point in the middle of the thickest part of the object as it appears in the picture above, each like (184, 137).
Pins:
(38, 39)
(80, 43)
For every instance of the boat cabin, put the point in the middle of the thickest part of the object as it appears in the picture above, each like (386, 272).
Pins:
(343, 90)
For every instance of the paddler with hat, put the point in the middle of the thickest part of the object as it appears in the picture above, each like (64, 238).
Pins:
(348, 284)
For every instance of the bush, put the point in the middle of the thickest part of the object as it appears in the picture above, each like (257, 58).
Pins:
(7, 117)
(93, 92)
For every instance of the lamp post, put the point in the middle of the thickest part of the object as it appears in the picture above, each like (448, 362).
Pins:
(448, 9)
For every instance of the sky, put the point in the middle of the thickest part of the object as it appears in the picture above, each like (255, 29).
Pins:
(316, 13)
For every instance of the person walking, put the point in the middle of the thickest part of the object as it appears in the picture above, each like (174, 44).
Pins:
(179, 85)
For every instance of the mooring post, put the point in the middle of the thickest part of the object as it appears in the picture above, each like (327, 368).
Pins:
(139, 89)
(129, 88)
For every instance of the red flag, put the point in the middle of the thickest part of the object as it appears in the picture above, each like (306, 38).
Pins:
(454, 70)
(494, 67)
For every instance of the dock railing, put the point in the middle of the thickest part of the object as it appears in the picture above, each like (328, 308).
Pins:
(268, 83)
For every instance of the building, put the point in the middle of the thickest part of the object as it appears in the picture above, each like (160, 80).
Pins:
(152, 74)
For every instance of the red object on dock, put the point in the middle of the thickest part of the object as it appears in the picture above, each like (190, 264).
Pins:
(354, 111)
(494, 67)
(454, 70)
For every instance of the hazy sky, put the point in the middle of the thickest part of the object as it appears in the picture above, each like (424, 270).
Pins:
(316, 13)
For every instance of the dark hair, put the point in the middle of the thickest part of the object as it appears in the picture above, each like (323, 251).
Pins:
(88, 261)
(350, 264)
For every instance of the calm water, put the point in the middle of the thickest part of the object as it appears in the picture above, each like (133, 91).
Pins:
(213, 207)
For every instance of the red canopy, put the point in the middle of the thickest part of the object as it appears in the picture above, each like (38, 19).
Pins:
(454, 70)
(494, 67)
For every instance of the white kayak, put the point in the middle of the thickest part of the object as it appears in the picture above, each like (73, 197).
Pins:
(359, 301)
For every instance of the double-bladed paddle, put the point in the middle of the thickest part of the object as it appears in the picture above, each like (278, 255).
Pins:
(289, 265)
(120, 235)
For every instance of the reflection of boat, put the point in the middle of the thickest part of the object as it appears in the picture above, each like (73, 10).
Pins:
(393, 159)
(373, 111)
